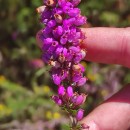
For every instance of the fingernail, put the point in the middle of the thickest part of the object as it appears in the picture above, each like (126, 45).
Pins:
(91, 126)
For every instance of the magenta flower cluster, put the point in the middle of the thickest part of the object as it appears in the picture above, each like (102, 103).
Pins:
(62, 39)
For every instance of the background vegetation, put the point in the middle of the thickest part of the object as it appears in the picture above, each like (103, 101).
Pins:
(25, 86)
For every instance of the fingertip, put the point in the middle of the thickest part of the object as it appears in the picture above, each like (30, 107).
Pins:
(92, 125)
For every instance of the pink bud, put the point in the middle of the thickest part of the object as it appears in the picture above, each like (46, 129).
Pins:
(69, 91)
(82, 81)
(57, 100)
(76, 2)
(56, 79)
(79, 100)
(80, 114)
(61, 91)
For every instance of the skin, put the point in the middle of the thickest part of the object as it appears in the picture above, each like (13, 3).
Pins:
(109, 46)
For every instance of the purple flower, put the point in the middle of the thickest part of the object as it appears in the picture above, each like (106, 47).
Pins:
(61, 3)
(79, 115)
(46, 57)
(57, 100)
(61, 39)
(61, 91)
(73, 12)
(51, 23)
(56, 79)
(47, 32)
(68, 22)
(47, 43)
(67, 6)
(77, 58)
(69, 92)
(46, 14)
(79, 100)
(53, 46)
(82, 81)
(57, 32)
(80, 20)
(57, 11)
(76, 2)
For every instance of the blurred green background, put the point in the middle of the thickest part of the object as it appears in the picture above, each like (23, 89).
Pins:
(25, 86)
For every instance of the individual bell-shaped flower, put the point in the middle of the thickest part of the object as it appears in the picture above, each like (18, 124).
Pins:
(74, 12)
(56, 79)
(57, 32)
(80, 20)
(75, 2)
(82, 81)
(61, 91)
(80, 100)
(80, 114)
(57, 100)
(69, 92)
(51, 23)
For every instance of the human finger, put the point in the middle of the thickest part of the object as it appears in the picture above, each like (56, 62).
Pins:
(113, 114)
(108, 45)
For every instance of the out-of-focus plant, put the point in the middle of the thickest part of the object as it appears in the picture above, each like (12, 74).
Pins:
(19, 102)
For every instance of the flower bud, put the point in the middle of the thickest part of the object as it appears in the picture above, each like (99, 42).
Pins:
(76, 68)
(58, 18)
(82, 81)
(50, 3)
(83, 52)
(74, 12)
(80, 20)
(61, 91)
(76, 2)
(57, 100)
(69, 91)
(51, 23)
(55, 64)
(80, 114)
(57, 32)
(80, 100)
(61, 58)
(56, 79)
(41, 9)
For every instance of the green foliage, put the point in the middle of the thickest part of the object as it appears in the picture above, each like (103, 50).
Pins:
(107, 13)
(19, 102)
